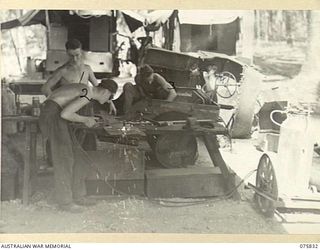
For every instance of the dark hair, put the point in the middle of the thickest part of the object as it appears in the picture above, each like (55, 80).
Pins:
(146, 70)
(73, 44)
(109, 84)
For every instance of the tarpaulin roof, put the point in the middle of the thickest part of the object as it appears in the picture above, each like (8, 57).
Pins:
(135, 20)
(31, 17)
(197, 17)
(207, 17)
(38, 17)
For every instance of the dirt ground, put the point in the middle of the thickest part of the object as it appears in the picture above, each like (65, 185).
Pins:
(120, 214)
(137, 215)
(123, 214)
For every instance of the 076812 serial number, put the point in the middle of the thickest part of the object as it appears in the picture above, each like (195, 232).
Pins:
(309, 246)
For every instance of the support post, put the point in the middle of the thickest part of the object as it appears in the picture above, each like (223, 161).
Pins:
(212, 146)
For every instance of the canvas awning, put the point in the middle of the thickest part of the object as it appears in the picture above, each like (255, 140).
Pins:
(195, 17)
(30, 18)
(155, 18)
(39, 17)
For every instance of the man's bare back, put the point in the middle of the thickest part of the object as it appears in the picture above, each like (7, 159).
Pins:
(67, 93)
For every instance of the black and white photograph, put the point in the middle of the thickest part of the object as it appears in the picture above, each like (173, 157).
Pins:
(164, 121)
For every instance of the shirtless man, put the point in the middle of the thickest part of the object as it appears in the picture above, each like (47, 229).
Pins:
(73, 71)
(70, 168)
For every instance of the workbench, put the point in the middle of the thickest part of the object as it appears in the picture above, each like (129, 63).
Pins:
(171, 131)
(30, 152)
(116, 129)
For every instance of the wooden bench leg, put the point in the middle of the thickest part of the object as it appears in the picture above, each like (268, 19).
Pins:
(30, 161)
(26, 171)
(212, 146)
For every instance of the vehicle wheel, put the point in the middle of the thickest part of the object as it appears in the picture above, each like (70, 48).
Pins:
(266, 181)
(226, 84)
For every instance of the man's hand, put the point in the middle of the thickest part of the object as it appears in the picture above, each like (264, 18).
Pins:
(112, 108)
(90, 122)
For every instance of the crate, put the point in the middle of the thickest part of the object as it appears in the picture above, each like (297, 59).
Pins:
(121, 170)
(185, 182)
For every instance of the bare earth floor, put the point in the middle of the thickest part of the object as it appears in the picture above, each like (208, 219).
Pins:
(140, 215)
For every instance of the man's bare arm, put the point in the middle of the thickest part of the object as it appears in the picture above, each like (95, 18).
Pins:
(167, 86)
(113, 109)
(172, 95)
(69, 112)
(51, 82)
(92, 78)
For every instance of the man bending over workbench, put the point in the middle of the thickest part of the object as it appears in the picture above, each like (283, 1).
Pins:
(57, 111)
(74, 71)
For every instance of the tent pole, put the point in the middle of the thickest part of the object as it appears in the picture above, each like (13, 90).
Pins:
(48, 28)
(112, 30)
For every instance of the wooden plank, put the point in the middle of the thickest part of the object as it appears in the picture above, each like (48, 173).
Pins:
(179, 128)
(19, 118)
(154, 107)
(155, 173)
(199, 111)
(309, 205)
(184, 182)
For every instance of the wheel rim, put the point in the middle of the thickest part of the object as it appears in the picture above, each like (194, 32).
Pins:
(224, 90)
(266, 182)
